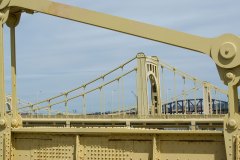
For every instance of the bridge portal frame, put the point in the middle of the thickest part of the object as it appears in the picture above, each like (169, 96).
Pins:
(224, 50)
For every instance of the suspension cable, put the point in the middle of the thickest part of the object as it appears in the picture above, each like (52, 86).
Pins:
(195, 97)
(123, 107)
(162, 88)
(66, 103)
(119, 97)
(84, 85)
(175, 91)
(184, 95)
(89, 91)
(216, 105)
(84, 105)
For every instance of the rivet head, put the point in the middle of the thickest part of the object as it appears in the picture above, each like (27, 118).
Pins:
(232, 124)
(230, 75)
(2, 122)
(14, 123)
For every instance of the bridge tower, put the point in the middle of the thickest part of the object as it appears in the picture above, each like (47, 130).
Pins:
(147, 70)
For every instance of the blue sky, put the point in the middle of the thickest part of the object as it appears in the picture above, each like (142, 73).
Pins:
(54, 55)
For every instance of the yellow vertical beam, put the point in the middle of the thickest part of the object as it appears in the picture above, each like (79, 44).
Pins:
(13, 72)
(101, 101)
(216, 98)
(2, 78)
(123, 107)
(66, 104)
(175, 91)
(142, 108)
(162, 89)
(184, 96)
(84, 112)
(158, 84)
(195, 96)
(2, 97)
(77, 147)
(49, 108)
(154, 148)
(232, 99)
(231, 122)
(119, 97)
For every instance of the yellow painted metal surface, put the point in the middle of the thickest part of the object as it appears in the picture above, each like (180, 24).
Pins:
(19, 142)
(118, 146)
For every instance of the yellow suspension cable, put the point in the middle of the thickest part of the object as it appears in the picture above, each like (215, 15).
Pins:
(123, 107)
(195, 96)
(84, 85)
(175, 91)
(184, 96)
(89, 91)
(162, 88)
(119, 97)
(216, 106)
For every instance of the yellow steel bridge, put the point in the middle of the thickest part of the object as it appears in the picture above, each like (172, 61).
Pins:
(142, 109)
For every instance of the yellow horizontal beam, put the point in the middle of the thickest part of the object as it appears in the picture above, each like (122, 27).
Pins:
(207, 120)
(109, 130)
